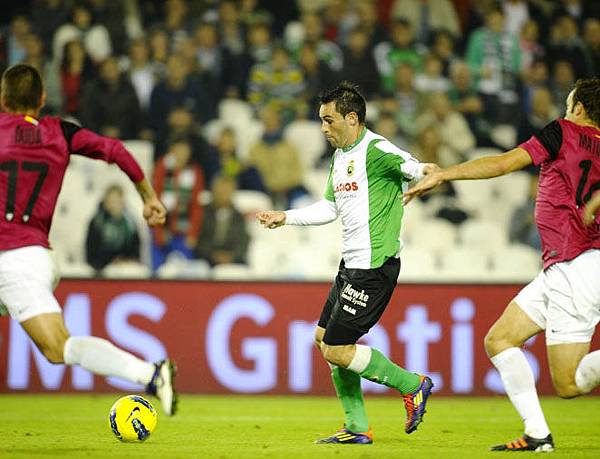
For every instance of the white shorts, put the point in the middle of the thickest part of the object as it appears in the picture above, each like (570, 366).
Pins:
(564, 300)
(27, 278)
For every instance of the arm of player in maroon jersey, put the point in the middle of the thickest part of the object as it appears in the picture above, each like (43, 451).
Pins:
(480, 168)
(87, 143)
(592, 208)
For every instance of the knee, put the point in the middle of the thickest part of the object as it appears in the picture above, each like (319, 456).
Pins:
(331, 354)
(494, 343)
(318, 343)
(566, 389)
(53, 350)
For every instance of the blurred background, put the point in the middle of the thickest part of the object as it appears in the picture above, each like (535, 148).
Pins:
(218, 102)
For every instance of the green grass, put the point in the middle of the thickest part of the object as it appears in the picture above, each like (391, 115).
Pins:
(284, 427)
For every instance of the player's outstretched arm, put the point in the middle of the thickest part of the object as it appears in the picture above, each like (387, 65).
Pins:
(271, 218)
(480, 168)
(155, 212)
(592, 208)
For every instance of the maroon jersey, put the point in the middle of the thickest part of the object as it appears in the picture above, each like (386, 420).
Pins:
(33, 158)
(569, 156)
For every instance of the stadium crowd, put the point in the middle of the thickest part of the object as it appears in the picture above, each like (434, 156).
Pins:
(221, 96)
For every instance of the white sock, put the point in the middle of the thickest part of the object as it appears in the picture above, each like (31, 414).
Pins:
(104, 358)
(587, 376)
(361, 359)
(519, 383)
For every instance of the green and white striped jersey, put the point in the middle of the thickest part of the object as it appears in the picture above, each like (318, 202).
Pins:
(365, 186)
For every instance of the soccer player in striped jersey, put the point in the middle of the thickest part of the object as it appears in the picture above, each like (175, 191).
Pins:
(564, 299)
(34, 154)
(367, 177)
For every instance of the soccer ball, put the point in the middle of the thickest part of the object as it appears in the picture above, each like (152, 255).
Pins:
(132, 418)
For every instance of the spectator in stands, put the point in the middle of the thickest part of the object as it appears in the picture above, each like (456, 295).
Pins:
(142, 73)
(566, 45)
(258, 51)
(543, 112)
(431, 77)
(368, 21)
(176, 22)
(112, 234)
(317, 75)
(178, 181)
(465, 99)
(278, 84)
(76, 70)
(34, 56)
(452, 127)
(522, 222)
(426, 16)
(95, 37)
(591, 41)
(400, 50)
(217, 66)
(535, 77)
(278, 162)
(231, 31)
(46, 17)
(444, 203)
(110, 105)
(178, 90)
(18, 31)
(359, 63)
(443, 48)
(404, 102)
(327, 51)
(114, 15)
(228, 164)
(516, 14)
(223, 235)
(159, 50)
(531, 49)
(180, 125)
(562, 81)
(495, 61)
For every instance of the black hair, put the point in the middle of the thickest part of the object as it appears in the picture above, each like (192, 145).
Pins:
(347, 98)
(587, 91)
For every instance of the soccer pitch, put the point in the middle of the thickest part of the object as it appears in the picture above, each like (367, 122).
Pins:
(228, 427)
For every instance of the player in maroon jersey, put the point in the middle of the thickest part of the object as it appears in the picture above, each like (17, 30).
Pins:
(564, 299)
(34, 154)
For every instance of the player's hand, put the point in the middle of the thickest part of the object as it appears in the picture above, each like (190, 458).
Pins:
(271, 219)
(427, 183)
(430, 168)
(591, 209)
(155, 212)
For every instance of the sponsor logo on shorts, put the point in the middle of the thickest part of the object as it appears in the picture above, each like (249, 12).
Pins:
(357, 298)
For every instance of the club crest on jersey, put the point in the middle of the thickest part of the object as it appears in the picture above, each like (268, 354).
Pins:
(350, 169)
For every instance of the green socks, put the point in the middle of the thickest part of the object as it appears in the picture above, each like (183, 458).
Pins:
(347, 386)
(382, 370)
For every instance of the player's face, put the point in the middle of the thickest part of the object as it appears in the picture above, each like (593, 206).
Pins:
(335, 126)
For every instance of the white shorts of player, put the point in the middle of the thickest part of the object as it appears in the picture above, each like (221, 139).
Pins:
(564, 300)
(27, 279)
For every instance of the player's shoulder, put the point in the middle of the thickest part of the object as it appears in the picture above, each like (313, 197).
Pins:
(383, 145)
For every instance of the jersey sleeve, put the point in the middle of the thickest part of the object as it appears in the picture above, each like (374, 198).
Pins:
(394, 162)
(329, 194)
(87, 143)
(319, 213)
(545, 145)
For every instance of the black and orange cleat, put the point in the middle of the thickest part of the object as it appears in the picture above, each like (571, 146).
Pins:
(414, 403)
(527, 443)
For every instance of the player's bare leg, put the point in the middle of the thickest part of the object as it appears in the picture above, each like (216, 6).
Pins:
(564, 360)
(502, 343)
(101, 357)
